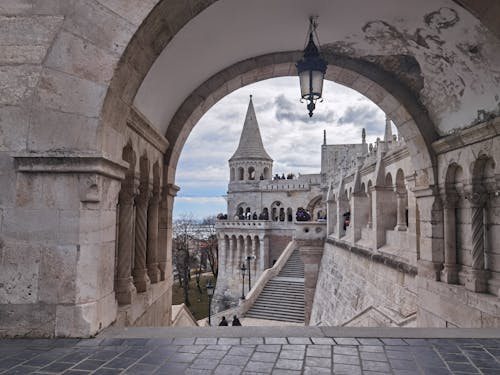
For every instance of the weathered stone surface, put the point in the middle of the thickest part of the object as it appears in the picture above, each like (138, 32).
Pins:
(13, 128)
(130, 9)
(79, 57)
(18, 83)
(22, 54)
(56, 280)
(68, 93)
(31, 31)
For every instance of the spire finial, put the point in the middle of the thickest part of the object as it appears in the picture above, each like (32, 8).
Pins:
(251, 96)
(363, 136)
(324, 137)
(388, 130)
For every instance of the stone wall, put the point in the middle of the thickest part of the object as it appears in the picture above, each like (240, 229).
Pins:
(353, 289)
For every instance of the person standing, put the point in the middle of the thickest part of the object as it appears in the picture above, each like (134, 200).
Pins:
(236, 321)
(223, 322)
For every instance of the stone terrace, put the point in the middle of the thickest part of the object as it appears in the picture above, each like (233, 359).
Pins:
(265, 350)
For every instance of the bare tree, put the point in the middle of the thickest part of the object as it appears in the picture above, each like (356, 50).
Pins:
(210, 244)
(184, 229)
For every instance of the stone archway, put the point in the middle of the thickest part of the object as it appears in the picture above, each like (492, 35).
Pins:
(69, 79)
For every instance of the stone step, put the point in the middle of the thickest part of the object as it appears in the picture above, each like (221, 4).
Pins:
(277, 312)
(274, 315)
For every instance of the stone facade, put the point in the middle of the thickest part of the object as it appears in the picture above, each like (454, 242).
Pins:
(70, 72)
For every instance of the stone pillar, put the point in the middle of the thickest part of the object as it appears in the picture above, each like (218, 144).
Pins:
(429, 233)
(401, 199)
(359, 214)
(450, 271)
(239, 250)
(311, 257)
(369, 224)
(477, 279)
(125, 289)
(222, 255)
(152, 250)
(165, 230)
(232, 250)
(264, 252)
(141, 279)
(331, 216)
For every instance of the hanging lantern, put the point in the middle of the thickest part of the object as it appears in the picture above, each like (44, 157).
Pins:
(311, 69)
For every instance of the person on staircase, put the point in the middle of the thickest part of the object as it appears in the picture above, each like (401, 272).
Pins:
(236, 321)
(223, 322)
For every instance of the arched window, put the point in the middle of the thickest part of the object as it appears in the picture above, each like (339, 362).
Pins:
(232, 174)
(251, 173)
(266, 173)
(289, 214)
(241, 174)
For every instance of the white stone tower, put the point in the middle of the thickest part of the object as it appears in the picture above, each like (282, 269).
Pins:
(250, 163)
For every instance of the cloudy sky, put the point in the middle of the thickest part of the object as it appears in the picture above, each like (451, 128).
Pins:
(291, 138)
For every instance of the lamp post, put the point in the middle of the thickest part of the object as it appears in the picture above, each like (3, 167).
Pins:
(311, 70)
(249, 258)
(243, 270)
(210, 294)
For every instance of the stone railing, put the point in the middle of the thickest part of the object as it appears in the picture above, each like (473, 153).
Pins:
(309, 230)
(257, 224)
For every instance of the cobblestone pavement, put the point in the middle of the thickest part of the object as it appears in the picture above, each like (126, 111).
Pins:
(250, 355)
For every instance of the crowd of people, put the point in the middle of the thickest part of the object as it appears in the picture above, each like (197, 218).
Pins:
(289, 176)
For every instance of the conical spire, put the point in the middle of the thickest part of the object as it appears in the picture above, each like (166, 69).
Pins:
(250, 146)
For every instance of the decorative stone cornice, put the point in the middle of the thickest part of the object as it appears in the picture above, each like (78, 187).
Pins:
(139, 124)
(70, 163)
(464, 137)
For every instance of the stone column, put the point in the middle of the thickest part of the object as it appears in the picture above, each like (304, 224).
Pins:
(264, 252)
(125, 289)
(429, 233)
(232, 250)
(401, 199)
(369, 224)
(165, 230)
(477, 278)
(450, 271)
(152, 250)
(331, 216)
(359, 214)
(222, 255)
(239, 250)
(311, 257)
(141, 279)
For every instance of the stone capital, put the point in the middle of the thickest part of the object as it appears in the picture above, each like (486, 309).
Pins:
(171, 190)
(449, 200)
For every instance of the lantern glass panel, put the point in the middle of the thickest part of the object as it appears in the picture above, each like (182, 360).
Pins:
(304, 84)
(317, 84)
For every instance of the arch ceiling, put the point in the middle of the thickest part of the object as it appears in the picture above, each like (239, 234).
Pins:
(452, 60)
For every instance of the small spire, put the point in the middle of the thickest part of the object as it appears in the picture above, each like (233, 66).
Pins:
(324, 137)
(388, 130)
(363, 136)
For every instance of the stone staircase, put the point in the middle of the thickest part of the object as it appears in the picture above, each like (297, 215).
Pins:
(283, 296)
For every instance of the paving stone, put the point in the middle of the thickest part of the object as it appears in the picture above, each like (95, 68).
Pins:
(285, 372)
(406, 372)
(228, 370)
(346, 359)
(268, 348)
(183, 341)
(416, 342)
(299, 340)
(141, 369)
(322, 340)
(172, 368)
(19, 370)
(89, 364)
(206, 341)
(275, 340)
(261, 367)
(218, 347)
(371, 348)
(241, 350)
(264, 357)
(112, 342)
(105, 355)
(289, 364)
(453, 357)
(373, 356)
(158, 342)
(462, 367)
(57, 367)
(191, 349)
(343, 369)
(234, 360)
(298, 347)
(291, 354)
(316, 371)
(402, 364)
(107, 371)
(318, 362)
(121, 363)
(376, 366)
(319, 352)
(346, 341)
(135, 353)
(212, 354)
(204, 363)
(229, 341)
(195, 371)
(135, 342)
(76, 357)
(348, 350)
(369, 341)
(252, 340)
(157, 359)
(181, 357)
(388, 341)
